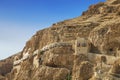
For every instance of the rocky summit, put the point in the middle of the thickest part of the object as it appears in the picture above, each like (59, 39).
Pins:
(82, 48)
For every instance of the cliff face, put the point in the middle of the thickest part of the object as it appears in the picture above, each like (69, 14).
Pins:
(83, 48)
(6, 65)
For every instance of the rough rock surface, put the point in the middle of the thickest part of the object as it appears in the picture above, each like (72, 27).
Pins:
(2, 78)
(116, 67)
(107, 36)
(100, 25)
(53, 57)
(82, 69)
(6, 66)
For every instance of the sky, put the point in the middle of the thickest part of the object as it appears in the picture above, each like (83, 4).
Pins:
(20, 19)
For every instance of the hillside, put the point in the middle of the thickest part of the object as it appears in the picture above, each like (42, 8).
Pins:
(82, 48)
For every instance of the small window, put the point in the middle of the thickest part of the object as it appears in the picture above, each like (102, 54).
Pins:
(84, 44)
(78, 45)
(110, 49)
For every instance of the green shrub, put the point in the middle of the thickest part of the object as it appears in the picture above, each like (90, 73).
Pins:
(41, 52)
(69, 77)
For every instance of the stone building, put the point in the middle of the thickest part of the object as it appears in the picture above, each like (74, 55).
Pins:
(82, 46)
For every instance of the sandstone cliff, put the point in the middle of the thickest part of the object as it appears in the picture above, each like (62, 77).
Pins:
(83, 48)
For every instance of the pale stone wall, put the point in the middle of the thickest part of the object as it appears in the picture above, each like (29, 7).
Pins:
(36, 61)
(45, 48)
(118, 53)
(93, 57)
(17, 62)
(53, 45)
(111, 59)
(35, 52)
(97, 57)
(81, 46)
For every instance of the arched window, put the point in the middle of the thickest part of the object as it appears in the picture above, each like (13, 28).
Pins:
(84, 44)
(103, 59)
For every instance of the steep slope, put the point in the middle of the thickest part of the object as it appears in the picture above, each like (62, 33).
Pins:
(83, 48)
(6, 65)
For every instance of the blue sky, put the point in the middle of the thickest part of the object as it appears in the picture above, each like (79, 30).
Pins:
(20, 19)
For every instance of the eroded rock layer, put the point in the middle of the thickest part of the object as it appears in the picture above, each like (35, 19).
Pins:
(82, 48)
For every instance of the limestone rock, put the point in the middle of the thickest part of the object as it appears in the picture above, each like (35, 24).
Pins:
(44, 73)
(106, 37)
(58, 57)
(84, 72)
(51, 73)
(48, 56)
(82, 69)
(116, 67)
(6, 65)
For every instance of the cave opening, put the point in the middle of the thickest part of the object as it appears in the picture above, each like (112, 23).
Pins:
(94, 49)
(111, 49)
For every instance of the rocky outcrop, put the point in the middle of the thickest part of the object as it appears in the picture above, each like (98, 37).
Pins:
(51, 73)
(6, 65)
(53, 54)
(82, 69)
(106, 37)
(114, 72)
(116, 67)
(29, 72)
(111, 6)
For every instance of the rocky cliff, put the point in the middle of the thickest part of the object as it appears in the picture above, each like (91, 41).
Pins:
(6, 65)
(83, 48)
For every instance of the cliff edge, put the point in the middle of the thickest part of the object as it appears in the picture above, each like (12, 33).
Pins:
(82, 48)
